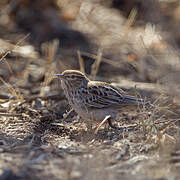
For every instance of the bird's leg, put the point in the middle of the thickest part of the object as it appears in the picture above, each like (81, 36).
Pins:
(110, 123)
(108, 120)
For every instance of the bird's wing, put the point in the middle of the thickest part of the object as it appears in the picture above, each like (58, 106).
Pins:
(103, 95)
(100, 96)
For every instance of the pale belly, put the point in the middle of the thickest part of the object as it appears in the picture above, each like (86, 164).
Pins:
(97, 115)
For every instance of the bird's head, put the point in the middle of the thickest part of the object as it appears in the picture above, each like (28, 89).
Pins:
(73, 79)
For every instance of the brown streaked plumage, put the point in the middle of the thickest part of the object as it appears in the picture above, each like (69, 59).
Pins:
(95, 100)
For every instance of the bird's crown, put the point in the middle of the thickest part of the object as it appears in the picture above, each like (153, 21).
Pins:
(73, 74)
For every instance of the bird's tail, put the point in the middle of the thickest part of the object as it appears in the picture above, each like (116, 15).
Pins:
(131, 100)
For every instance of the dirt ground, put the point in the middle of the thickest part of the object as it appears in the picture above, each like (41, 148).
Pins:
(132, 44)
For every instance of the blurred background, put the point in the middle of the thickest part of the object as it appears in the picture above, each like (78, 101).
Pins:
(112, 40)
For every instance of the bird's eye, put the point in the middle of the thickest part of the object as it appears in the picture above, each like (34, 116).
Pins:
(72, 76)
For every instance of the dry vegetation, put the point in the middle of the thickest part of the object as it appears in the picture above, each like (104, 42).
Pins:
(134, 44)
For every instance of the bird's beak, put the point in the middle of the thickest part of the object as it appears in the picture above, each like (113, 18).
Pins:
(59, 76)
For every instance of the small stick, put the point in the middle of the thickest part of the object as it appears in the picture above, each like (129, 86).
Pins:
(81, 62)
(96, 64)
(10, 115)
(102, 122)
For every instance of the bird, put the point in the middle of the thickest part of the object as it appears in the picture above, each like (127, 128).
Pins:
(95, 100)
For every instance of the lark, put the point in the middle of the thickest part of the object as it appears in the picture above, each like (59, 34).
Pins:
(94, 100)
